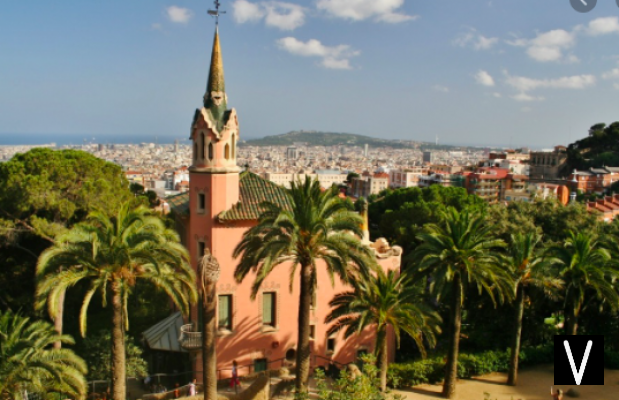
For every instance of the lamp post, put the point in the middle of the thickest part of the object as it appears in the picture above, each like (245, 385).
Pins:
(208, 271)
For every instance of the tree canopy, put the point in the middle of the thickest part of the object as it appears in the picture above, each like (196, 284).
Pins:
(599, 148)
(400, 214)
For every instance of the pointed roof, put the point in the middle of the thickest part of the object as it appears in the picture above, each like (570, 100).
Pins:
(216, 74)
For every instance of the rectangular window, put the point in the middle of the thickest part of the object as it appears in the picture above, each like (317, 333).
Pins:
(225, 312)
(331, 345)
(201, 201)
(269, 308)
(312, 331)
(201, 248)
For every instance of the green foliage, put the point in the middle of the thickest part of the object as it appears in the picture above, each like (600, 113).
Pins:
(401, 214)
(431, 370)
(150, 197)
(547, 217)
(29, 363)
(381, 301)
(46, 191)
(599, 148)
(317, 226)
(98, 350)
(353, 386)
(111, 254)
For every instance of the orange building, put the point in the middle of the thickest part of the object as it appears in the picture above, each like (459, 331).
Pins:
(221, 205)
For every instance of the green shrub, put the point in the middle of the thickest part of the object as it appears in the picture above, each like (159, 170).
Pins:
(544, 354)
(432, 370)
(611, 359)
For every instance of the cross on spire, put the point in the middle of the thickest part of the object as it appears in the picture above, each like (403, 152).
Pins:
(216, 13)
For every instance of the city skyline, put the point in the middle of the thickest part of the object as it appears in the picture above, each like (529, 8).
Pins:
(486, 73)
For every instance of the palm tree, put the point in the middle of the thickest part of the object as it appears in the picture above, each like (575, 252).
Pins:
(384, 300)
(30, 364)
(317, 226)
(208, 275)
(585, 266)
(111, 254)
(530, 269)
(458, 251)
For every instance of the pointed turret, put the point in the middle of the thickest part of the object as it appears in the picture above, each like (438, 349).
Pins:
(215, 96)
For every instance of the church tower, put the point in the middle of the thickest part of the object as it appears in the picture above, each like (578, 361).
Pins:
(213, 175)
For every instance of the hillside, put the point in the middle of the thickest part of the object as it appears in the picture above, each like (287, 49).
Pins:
(315, 138)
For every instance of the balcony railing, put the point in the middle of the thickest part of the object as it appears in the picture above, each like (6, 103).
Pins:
(190, 339)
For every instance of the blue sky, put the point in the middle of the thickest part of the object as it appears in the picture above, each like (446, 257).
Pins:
(501, 72)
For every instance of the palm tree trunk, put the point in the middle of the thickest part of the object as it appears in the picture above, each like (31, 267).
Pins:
(58, 319)
(451, 373)
(382, 350)
(570, 317)
(209, 358)
(119, 380)
(303, 347)
(512, 377)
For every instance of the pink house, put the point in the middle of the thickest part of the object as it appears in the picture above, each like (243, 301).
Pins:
(221, 205)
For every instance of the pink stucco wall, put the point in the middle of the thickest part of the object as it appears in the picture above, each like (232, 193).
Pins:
(249, 340)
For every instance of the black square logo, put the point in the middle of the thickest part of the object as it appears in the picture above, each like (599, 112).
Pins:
(579, 360)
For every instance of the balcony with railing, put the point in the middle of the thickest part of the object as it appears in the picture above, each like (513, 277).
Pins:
(190, 338)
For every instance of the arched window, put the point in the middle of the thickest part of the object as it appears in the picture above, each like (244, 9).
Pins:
(227, 151)
(210, 151)
(202, 140)
(233, 147)
(195, 151)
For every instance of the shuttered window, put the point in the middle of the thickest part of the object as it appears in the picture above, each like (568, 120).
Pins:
(268, 308)
(225, 312)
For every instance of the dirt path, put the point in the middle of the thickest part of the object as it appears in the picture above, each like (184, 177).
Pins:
(533, 384)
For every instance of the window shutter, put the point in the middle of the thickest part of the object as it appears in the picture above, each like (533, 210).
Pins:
(267, 309)
(224, 311)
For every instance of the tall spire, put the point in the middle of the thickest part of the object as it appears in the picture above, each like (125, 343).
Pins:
(216, 74)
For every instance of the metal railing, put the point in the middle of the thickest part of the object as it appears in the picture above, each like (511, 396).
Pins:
(189, 338)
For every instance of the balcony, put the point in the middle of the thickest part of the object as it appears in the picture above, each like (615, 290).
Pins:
(190, 339)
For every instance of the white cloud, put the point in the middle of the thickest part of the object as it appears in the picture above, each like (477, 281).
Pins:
(524, 85)
(475, 40)
(285, 16)
(603, 26)
(544, 54)
(484, 78)
(333, 57)
(244, 11)
(526, 97)
(179, 14)
(440, 88)
(358, 10)
(555, 38)
(549, 46)
(612, 74)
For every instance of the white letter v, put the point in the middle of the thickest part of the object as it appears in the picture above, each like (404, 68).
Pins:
(578, 374)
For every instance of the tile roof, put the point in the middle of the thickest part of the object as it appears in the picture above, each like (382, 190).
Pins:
(254, 190)
(179, 203)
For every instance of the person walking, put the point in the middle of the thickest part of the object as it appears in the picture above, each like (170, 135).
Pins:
(192, 388)
(234, 381)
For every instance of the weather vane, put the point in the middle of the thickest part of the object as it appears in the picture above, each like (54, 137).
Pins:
(215, 13)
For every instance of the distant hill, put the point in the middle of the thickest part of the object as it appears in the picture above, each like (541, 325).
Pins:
(316, 138)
